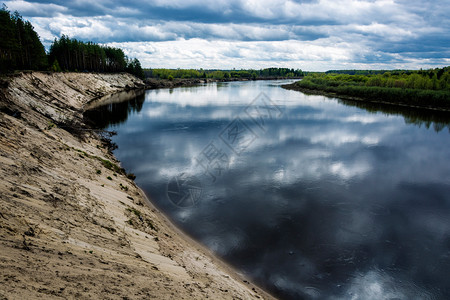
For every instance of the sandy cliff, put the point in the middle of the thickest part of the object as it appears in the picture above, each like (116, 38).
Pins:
(72, 225)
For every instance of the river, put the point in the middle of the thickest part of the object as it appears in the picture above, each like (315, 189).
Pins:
(311, 197)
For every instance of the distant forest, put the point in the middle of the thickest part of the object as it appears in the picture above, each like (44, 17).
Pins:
(21, 49)
(223, 74)
(359, 72)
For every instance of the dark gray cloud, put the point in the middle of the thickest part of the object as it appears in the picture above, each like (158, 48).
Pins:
(345, 33)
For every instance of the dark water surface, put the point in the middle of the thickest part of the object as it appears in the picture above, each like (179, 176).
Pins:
(312, 197)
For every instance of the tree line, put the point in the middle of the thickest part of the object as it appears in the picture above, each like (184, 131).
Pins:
(73, 55)
(425, 88)
(224, 74)
(357, 72)
(21, 49)
(432, 79)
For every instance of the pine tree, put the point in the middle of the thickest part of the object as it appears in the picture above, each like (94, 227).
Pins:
(20, 47)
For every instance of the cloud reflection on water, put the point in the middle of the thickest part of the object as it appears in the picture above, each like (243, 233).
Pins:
(332, 202)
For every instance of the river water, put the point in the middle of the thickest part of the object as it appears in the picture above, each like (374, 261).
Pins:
(311, 197)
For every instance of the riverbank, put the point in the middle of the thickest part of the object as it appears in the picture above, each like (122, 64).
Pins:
(418, 99)
(72, 222)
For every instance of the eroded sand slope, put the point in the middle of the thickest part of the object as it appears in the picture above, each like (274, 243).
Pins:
(66, 230)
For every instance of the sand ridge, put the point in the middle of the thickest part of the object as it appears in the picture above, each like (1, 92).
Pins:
(72, 225)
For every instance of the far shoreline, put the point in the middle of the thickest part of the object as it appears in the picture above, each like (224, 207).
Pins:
(295, 87)
(156, 83)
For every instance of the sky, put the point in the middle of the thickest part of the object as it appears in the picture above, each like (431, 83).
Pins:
(312, 35)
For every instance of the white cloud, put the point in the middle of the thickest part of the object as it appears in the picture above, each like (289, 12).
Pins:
(32, 9)
(229, 54)
(311, 35)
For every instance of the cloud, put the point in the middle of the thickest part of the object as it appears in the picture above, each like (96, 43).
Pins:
(36, 9)
(229, 54)
(316, 34)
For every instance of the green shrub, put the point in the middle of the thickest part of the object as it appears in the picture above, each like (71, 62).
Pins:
(378, 88)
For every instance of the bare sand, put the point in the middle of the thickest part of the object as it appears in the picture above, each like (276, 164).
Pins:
(71, 226)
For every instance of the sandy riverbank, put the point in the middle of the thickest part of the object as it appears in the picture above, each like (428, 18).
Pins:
(72, 225)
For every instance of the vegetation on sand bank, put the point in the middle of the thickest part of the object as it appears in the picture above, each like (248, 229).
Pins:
(73, 55)
(21, 49)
